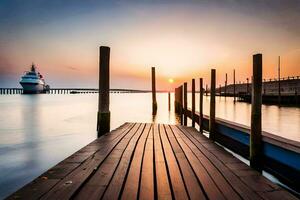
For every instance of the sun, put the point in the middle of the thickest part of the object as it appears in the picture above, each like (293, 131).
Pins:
(171, 80)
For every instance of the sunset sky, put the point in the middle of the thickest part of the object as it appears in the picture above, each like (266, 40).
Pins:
(182, 39)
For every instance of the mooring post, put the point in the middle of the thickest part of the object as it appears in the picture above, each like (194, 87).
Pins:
(154, 103)
(234, 85)
(103, 125)
(176, 100)
(247, 85)
(255, 133)
(212, 111)
(201, 107)
(180, 104)
(169, 100)
(193, 102)
(185, 103)
(225, 85)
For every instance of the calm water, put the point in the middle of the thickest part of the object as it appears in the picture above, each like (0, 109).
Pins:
(38, 131)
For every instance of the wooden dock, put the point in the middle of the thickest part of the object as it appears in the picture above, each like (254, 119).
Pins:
(152, 161)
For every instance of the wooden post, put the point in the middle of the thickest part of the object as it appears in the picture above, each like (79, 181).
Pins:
(225, 86)
(193, 102)
(212, 112)
(154, 103)
(185, 103)
(206, 90)
(279, 88)
(247, 85)
(103, 123)
(176, 100)
(255, 133)
(201, 107)
(180, 98)
(169, 100)
(234, 85)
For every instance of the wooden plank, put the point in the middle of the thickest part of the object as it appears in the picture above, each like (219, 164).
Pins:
(247, 186)
(177, 183)
(162, 179)
(192, 184)
(132, 181)
(44, 183)
(244, 191)
(69, 184)
(210, 187)
(212, 171)
(115, 186)
(249, 176)
(277, 194)
(96, 185)
(35, 189)
(147, 174)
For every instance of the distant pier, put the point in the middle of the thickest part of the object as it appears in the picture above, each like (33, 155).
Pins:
(289, 91)
(71, 91)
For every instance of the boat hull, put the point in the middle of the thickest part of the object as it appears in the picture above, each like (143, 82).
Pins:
(32, 88)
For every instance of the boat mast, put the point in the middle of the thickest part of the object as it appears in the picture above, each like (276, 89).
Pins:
(279, 89)
(32, 67)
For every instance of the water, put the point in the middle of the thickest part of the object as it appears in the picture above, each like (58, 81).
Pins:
(38, 131)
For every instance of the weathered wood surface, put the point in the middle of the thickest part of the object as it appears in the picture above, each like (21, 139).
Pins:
(151, 161)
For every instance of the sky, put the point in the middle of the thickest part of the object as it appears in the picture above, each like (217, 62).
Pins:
(182, 39)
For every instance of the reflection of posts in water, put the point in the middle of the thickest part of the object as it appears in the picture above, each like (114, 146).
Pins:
(212, 112)
(185, 103)
(256, 129)
(154, 103)
(154, 118)
(201, 106)
(169, 100)
(103, 123)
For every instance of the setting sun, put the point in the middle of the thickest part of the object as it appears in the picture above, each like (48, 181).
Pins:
(171, 80)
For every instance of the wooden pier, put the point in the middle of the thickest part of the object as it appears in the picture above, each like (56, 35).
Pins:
(4, 91)
(151, 161)
(162, 161)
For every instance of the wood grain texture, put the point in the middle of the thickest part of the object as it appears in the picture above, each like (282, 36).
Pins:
(151, 161)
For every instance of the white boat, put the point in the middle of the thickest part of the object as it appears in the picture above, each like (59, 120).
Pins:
(33, 82)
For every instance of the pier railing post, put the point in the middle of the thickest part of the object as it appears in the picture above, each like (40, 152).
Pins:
(154, 103)
(225, 85)
(234, 85)
(103, 123)
(180, 100)
(212, 111)
(193, 102)
(256, 129)
(185, 104)
(247, 85)
(201, 106)
(176, 100)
